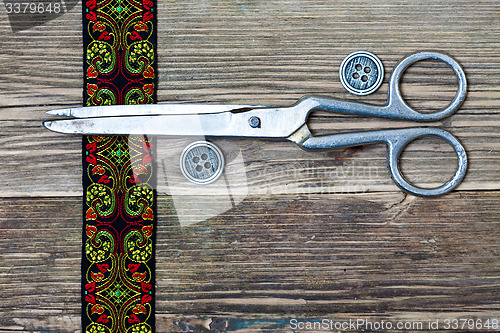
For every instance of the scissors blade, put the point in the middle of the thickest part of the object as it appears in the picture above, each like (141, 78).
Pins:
(147, 109)
(183, 120)
(273, 123)
(213, 124)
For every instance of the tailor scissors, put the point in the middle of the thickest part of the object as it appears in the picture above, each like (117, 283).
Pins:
(257, 121)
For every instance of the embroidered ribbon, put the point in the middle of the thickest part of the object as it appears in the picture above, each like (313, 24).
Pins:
(119, 201)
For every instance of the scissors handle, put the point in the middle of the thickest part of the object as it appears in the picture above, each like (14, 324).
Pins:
(397, 103)
(395, 107)
(397, 140)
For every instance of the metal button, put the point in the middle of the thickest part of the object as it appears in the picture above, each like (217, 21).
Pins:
(361, 73)
(202, 162)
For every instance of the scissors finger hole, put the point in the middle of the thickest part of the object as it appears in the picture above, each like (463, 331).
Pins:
(428, 85)
(428, 162)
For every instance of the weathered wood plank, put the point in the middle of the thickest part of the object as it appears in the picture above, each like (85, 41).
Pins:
(273, 53)
(271, 258)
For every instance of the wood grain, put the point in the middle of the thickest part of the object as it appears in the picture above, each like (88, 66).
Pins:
(270, 259)
(286, 233)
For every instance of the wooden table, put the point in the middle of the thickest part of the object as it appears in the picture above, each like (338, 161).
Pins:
(307, 236)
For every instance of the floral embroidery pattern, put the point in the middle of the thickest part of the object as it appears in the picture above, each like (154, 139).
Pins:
(118, 174)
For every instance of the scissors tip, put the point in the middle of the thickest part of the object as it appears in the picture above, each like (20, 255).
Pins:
(60, 126)
(47, 124)
(60, 112)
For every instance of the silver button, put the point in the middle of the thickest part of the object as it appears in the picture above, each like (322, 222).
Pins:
(202, 162)
(361, 73)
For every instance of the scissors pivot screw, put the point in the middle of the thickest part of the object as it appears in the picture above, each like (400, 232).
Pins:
(254, 122)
